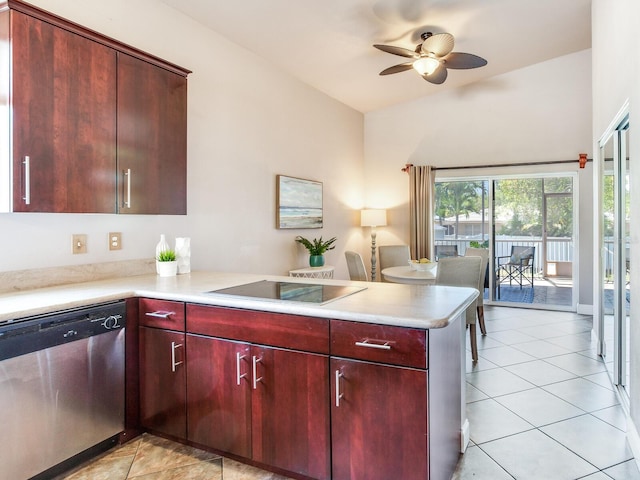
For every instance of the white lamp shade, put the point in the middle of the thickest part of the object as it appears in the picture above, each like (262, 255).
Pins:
(373, 217)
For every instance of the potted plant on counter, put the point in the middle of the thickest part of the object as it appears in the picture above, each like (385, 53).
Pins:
(167, 263)
(316, 249)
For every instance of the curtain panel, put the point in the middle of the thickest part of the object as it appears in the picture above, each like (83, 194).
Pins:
(421, 208)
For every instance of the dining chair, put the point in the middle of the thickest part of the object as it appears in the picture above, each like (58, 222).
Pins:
(463, 272)
(483, 253)
(444, 251)
(356, 266)
(394, 256)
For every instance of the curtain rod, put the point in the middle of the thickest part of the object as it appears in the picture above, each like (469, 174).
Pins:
(583, 161)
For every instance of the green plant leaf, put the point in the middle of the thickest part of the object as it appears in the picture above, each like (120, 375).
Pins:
(166, 256)
(317, 246)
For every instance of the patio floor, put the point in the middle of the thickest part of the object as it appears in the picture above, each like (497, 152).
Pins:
(550, 291)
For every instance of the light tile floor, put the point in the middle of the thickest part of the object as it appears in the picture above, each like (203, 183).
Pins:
(152, 458)
(539, 402)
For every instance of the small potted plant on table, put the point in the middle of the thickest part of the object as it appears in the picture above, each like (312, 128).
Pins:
(167, 263)
(316, 249)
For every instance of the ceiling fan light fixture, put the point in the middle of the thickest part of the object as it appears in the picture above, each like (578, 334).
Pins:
(426, 65)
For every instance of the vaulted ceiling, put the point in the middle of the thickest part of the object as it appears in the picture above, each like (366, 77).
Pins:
(328, 44)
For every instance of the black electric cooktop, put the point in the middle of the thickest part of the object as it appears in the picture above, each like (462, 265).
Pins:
(290, 291)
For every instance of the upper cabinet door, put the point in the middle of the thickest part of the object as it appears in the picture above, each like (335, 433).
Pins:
(64, 120)
(152, 139)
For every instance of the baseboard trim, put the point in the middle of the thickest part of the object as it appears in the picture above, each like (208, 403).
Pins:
(583, 309)
(634, 440)
(464, 437)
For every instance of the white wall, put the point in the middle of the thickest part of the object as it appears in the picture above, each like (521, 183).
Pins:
(247, 122)
(538, 113)
(616, 79)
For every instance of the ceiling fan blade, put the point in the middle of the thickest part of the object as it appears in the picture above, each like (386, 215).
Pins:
(403, 52)
(403, 67)
(438, 76)
(464, 61)
(440, 44)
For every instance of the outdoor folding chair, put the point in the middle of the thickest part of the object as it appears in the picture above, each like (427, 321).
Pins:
(518, 267)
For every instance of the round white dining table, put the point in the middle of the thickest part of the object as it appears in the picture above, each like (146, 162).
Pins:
(409, 275)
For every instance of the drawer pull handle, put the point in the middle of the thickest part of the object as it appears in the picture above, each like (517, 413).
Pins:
(174, 364)
(338, 394)
(380, 346)
(239, 376)
(256, 379)
(160, 314)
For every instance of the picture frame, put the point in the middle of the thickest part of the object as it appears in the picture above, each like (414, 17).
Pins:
(298, 203)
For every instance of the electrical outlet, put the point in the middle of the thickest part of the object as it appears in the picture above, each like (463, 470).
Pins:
(79, 243)
(115, 241)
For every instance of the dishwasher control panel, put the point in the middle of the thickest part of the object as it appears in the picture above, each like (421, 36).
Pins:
(43, 331)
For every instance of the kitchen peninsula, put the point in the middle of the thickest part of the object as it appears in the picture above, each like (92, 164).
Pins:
(369, 385)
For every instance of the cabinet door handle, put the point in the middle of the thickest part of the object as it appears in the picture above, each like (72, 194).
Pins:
(240, 376)
(160, 314)
(27, 180)
(256, 379)
(127, 202)
(339, 395)
(381, 346)
(174, 364)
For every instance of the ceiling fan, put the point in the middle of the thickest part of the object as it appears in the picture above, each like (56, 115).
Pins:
(432, 57)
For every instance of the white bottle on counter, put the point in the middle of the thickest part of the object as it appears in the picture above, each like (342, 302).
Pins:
(161, 247)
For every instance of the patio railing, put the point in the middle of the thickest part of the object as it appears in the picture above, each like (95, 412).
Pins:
(559, 249)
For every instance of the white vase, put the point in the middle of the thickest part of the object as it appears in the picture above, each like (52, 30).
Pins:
(167, 269)
(162, 246)
(183, 254)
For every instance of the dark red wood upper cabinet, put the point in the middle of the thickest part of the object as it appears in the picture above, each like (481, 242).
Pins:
(152, 139)
(64, 119)
(72, 150)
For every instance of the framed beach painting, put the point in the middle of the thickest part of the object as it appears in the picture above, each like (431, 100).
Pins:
(298, 203)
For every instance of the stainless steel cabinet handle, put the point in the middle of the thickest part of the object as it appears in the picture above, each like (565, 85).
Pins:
(256, 379)
(338, 394)
(381, 346)
(160, 314)
(239, 376)
(127, 202)
(27, 180)
(174, 364)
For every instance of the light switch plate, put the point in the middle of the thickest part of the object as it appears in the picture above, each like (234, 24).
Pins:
(115, 240)
(79, 243)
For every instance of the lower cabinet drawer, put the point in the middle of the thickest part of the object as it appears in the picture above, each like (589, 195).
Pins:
(296, 332)
(379, 343)
(162, 314)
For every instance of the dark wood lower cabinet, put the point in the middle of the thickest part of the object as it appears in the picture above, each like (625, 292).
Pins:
(378, 421)
(350, 402)
(266, 404)
(162, 381)
(218, 397)
(290, 411)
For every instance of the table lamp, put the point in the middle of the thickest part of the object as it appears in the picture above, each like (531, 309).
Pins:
(373, 218)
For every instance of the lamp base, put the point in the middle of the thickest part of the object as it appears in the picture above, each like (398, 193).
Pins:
(373, 254)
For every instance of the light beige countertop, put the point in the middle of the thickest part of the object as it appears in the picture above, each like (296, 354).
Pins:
(416, 306)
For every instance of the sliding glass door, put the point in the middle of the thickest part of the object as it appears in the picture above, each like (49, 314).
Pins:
(527, 223)
(615, 285)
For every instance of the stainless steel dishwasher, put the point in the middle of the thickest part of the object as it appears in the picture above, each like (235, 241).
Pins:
(61, 389)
